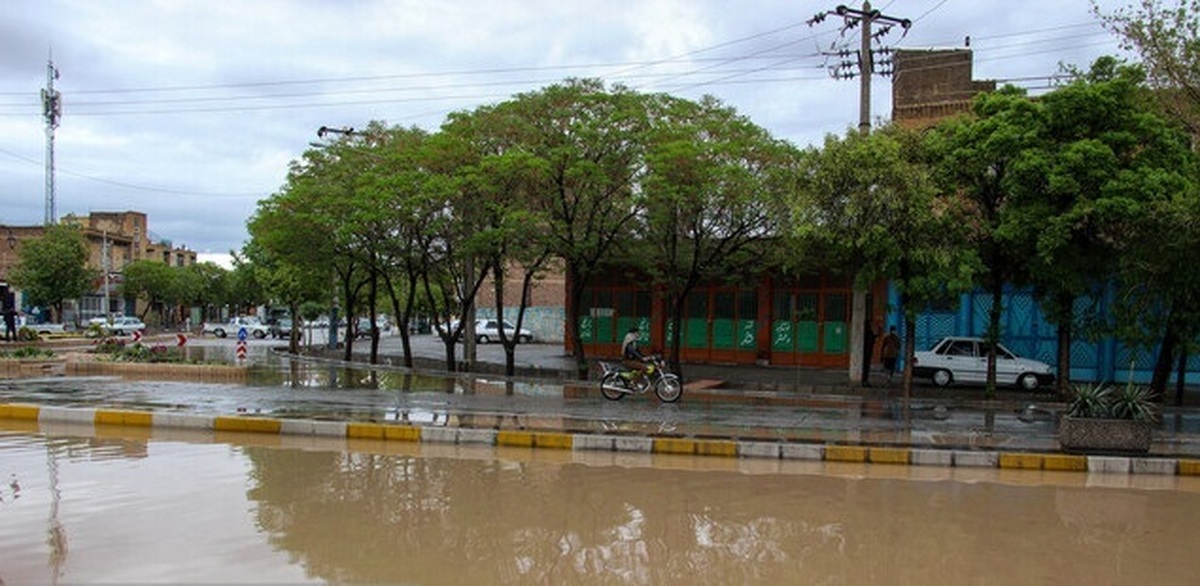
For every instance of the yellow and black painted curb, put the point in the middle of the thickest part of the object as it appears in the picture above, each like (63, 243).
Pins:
(556, 440)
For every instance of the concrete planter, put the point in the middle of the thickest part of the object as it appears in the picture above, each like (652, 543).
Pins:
(1109, 436)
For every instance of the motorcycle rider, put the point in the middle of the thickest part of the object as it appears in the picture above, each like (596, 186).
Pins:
(632, 358)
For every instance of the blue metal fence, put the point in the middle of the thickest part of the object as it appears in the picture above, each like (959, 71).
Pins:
(1025, 330)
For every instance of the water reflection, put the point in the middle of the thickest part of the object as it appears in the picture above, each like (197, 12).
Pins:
(301, 374)
(377, 512)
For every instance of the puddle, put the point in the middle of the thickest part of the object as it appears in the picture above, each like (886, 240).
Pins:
(123, 505)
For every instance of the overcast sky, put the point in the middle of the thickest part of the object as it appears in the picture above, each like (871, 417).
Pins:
(191, 110)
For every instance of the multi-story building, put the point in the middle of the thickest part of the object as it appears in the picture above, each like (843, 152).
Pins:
(114, 239)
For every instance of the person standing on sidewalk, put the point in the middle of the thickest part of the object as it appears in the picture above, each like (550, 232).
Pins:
(889, 350)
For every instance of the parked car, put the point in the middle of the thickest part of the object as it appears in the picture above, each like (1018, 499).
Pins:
(42, 329)
(282, 328)
(964, 360)
(363, 327)
(488, 330)
(254, 328)
(120, 325)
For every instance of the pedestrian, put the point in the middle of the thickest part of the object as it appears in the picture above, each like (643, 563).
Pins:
(889, 350)
(10, 323)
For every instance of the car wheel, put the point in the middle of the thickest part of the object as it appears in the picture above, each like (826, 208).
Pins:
(482, 340)
(1029, 382)
(259, 334)
(219, 333)
(524, 339)
(943, 378)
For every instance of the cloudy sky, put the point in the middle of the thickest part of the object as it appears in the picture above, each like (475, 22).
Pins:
(191, 110)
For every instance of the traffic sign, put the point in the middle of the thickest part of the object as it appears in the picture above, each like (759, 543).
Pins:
(242, 334)
(137, 335)
(241, 349)
(180, 340)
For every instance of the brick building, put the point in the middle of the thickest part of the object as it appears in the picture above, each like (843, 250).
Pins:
(932, 84)
(114, 239)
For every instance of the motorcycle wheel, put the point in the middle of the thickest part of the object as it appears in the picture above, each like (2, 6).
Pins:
(612, 379)
(668, 389)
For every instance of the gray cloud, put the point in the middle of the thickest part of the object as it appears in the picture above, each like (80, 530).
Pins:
(191, 110)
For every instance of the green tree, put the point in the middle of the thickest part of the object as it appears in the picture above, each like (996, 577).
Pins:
(391, 177)
(1104, 159)
(399, 180)
(53, 268)
(1165, 35)
(502, 178)
(715, 195)
(589, 140)
(153, 282)
(209, 287)
(869, 201)
(980, 159)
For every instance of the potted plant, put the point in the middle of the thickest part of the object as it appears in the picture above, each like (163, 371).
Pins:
(1107, 419)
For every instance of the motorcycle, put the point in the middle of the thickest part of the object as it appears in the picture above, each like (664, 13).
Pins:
(617, 380)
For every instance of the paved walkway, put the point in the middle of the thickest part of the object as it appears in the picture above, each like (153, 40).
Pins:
(989, 424)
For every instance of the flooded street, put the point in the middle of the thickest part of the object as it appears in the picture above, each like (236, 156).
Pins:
(140, 505)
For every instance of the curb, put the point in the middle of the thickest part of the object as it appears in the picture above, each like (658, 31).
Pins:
(555, 440)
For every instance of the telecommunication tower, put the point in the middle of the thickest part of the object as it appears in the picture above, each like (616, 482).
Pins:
(51, 111)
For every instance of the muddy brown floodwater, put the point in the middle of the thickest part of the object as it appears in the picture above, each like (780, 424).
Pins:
(119, 506)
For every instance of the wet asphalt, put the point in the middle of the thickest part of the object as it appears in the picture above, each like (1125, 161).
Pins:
(720, 401)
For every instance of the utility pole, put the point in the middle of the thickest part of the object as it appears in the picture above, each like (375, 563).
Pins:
(107, 265)
(51, 111)
(865, 19)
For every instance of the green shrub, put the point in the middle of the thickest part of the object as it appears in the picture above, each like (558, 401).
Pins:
(28, 353)
(1103, 401)
(26, 334)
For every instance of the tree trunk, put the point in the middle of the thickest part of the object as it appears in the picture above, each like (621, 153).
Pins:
(910, 342)
(581, 365)
(1063, 383)
(1181, 376)
(677, 304)
(1162, 364)
(372, 298)
(993, 333)
(510, 344)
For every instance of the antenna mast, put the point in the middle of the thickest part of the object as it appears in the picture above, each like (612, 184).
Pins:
(51, 111)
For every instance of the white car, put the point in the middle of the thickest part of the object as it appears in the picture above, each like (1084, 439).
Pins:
(488, 330)
(964, 360)
(120, 325)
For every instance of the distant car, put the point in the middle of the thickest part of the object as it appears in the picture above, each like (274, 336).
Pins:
(964, 360)
(251, 324)
(282, 328)
(42, 329)
(121, 326)
(488, 330)
(362, 327)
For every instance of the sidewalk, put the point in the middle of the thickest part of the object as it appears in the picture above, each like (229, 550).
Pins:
(928, 408)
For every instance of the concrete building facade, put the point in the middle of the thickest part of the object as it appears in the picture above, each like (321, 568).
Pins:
(114, 240)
